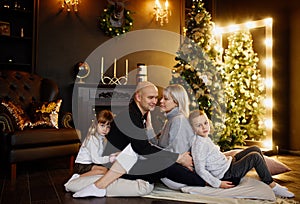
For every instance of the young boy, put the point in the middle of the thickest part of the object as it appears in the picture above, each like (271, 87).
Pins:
(220, 171)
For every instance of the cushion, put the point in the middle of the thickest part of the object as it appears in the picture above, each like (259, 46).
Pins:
(21, 118)
(120, 187)
(275, 167)
(248, 188)
(45, 114)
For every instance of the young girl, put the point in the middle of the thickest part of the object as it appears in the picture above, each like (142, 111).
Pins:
(90, 159)
(220, 171)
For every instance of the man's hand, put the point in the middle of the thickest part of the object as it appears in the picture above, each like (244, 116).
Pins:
(186, 160)
(148, 121)
(226, 184)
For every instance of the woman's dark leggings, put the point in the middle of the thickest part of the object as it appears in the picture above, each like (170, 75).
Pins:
(175, 172)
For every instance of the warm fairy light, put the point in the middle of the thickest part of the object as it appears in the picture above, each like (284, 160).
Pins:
(269, 83)
(268, 42)
(268, 21)
(217, 30)
(250, 24)
(268, 62)
(268, 103)
(267, 24)
(233, 28)
(268, 144)
(269, 123)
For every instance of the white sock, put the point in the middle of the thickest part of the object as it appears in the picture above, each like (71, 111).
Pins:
(282, 191)
(90, 190)
(74, 176)
(281, 186)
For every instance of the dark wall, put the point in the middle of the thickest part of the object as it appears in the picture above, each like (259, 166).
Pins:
(64, 39)
(294, 129)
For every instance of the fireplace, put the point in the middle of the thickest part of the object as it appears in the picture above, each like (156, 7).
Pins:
(88, 99)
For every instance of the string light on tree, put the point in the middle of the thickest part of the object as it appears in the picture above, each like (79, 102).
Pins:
(198, 66)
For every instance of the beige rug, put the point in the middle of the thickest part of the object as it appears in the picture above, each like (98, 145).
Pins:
(161, 192)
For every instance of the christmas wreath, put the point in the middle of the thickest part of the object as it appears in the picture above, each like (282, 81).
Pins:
(107, 22)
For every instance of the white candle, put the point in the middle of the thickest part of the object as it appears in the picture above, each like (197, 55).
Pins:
(101, 72)
(157, 4)
(126, 68)
(115, 67)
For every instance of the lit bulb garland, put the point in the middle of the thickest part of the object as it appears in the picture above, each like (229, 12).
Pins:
(106, 26)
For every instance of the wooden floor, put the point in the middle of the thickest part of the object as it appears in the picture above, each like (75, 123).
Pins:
(42, 182)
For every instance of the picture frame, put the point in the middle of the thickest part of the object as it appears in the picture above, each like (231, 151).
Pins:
(4, 28)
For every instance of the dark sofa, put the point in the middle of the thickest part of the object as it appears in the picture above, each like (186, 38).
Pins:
(21, 144)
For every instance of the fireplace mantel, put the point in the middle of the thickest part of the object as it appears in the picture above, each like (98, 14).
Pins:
(88, 99)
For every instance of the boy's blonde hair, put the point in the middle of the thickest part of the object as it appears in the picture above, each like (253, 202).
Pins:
(197, 113)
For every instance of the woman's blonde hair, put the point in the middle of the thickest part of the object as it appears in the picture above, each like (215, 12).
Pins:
(179, 96)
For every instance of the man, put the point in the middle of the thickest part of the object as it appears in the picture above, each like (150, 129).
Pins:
(129, 127)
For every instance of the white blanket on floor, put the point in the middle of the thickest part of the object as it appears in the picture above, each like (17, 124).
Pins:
(249, 190)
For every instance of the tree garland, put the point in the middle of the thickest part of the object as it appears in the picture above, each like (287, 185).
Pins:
(106, 26)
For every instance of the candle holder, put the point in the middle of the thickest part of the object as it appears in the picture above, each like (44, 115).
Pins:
(114, 80)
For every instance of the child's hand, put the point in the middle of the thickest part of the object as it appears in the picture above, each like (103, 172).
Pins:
(226, 184)
(112, 157)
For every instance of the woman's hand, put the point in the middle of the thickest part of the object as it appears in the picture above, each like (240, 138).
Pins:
(226, 184)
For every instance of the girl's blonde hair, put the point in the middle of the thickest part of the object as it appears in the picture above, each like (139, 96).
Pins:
(105, 116)
(179, 96)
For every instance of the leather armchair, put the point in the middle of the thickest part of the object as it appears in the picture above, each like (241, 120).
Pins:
(33, 143)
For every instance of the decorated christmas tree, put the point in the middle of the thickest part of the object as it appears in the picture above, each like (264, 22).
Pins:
(244, 91)
(198, 68)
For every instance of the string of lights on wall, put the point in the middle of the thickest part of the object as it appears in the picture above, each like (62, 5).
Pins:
(268, 62)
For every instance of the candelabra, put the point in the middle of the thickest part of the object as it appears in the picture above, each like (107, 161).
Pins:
(161, 13)
(69, 4)
(114, 80)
